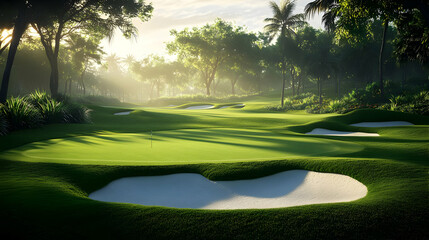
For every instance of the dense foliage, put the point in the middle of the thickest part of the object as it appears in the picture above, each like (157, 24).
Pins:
(416, 102)
(39, 108)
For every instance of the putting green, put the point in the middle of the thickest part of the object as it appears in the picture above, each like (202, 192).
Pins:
(178, 147)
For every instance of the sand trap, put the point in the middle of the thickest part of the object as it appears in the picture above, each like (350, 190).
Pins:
(236, 105)
(122, 113)
(200, 107)
(321, 131)
(382, 124)
(190, 190)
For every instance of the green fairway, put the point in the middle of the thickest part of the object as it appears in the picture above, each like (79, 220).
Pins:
(179, 146)
(46, 174)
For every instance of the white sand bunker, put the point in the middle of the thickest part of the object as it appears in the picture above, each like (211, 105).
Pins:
(200, 107)
(382, 124)
(322, 131)
(241, 105)
(189, 190)
(122, 113)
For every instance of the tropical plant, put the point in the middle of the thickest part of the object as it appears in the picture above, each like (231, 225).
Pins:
(51, 110)
(330, 9)
(283, 24)
(20, 114)
(76, 113)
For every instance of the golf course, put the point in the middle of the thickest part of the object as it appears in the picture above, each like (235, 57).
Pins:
(214, 120)
(48, 174)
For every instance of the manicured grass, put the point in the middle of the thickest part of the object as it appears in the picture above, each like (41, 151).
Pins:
(44, 200)
(178, 147)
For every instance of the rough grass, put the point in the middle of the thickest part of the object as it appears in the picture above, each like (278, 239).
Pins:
(49, 200)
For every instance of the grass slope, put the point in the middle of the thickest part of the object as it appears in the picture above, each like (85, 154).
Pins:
(42, 200)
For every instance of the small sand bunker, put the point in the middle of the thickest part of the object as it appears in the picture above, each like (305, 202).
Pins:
(200, 107)
(190, 190)
(236, 105)
(382, 124)
(321, 131)
(122, 113)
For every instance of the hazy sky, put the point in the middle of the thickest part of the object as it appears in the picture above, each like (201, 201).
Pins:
(178, 14)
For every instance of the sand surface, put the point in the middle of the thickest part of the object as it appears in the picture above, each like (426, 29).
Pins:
(321, 131)
(190, 190)
(200, 107)
(382, 124)
(122, 113)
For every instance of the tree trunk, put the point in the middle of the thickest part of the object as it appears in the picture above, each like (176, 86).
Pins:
(292, 75)
(284, 83)
(208, 89)
(83, 83)
(233, 82)
(70, 87)
(339, 85)
(319, 86)
(53, 83)
(380, 59)
(299, 85)
(18, 30)
(157, 89)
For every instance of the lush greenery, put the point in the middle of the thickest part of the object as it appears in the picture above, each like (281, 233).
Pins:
(39, 108)
(412, 101)
(50, 199)
(369, 64)
(222, 59)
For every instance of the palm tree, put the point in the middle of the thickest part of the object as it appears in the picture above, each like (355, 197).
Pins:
(283, 25)
(330, 9)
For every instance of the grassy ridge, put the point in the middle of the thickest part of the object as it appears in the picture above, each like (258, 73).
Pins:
(55, 195)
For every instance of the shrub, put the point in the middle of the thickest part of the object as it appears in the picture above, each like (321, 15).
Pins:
(3, 123)
(20, 114)
(75, 113)
(51, 110)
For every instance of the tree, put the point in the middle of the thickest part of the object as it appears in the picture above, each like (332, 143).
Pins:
(283, 25)
(17, 15)
(357, 15)
(321, 62)
(154, 70)
(89, 16)
(205, 48)
(84, 51)
(242, 59)
(330, 9)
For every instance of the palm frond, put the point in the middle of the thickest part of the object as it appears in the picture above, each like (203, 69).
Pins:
(318, 6)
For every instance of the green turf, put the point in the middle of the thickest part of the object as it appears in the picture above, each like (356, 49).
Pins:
(46, 174)
(178, 147)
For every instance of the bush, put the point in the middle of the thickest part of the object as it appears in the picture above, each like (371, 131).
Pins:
(298, 102)
(51, 110)
(417, 103)
(3, 123)
(75, 113)
(20, 114)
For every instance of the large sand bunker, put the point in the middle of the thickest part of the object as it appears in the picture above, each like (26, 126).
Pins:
(382, 124)
(198, 107)
(189, 190)
(322, 131)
